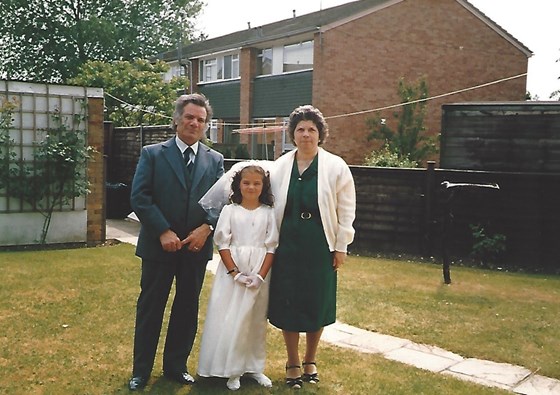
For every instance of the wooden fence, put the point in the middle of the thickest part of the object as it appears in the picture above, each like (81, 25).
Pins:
(402, 211)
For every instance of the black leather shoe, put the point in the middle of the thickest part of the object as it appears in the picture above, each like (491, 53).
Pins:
(181, 378)
(137, 383)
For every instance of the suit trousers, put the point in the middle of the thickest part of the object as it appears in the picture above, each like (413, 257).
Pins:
(188, 270)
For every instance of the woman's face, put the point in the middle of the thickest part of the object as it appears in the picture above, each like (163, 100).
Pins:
(306, 135)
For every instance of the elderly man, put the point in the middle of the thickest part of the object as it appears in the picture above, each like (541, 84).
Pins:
(175, 240)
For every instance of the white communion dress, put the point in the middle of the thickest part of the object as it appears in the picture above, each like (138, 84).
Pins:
(234, 334)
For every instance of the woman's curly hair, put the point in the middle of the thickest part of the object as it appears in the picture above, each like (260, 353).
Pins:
(308, 113)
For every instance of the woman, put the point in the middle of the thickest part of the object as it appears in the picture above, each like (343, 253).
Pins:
(315, 204)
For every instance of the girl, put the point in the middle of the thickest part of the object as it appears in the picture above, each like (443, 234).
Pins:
(233, 339)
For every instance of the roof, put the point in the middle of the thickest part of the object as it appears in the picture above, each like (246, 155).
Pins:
(309, 23)
(306, 23)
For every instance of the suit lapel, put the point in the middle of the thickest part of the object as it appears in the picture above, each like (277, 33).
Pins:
(200, 165)
(173, 155)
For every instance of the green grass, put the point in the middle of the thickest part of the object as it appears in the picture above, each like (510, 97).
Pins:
(67, 322)
(503, 317)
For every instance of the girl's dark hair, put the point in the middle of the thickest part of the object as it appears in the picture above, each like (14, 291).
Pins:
(265, 197)
(308, 113)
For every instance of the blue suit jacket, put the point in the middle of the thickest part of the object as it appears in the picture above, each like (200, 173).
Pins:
(163, 197)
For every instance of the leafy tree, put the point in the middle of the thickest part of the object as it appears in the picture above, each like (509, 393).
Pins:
(48, 40)
(136, 92)
(556, 93)
(410, 140)
(55, 175)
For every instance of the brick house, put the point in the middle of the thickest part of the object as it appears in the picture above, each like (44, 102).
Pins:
(347, 60)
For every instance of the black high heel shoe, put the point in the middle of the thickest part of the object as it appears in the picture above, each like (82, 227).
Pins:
(295, 382)
(312, 378)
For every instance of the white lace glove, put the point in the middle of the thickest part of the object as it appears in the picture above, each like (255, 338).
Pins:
(241, 278)
(254, 281)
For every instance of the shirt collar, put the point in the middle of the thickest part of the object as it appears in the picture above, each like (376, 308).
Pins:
(182, 146)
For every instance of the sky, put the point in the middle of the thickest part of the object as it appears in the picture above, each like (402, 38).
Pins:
(531, 22)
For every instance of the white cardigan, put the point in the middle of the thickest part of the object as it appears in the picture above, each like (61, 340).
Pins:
(337, 196)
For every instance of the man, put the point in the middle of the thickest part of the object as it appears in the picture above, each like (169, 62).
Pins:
(175, 239)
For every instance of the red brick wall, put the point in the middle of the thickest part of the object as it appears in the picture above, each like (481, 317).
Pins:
(95, 200)
(357, 66)
(247, 73)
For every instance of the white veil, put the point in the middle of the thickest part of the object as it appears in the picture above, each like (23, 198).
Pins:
(218, 196)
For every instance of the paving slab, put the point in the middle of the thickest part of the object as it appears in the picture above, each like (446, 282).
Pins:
(475, 379)
(538, 385)
(421, 359)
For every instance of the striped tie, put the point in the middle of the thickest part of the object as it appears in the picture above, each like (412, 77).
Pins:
(188, 159)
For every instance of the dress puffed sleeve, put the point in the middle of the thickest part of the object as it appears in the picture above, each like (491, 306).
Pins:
(272, 235)
(222, 234)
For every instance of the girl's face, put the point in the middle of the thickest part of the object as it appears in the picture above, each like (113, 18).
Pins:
(251, 185)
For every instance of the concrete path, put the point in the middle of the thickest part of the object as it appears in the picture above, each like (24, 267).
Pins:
(516, 379)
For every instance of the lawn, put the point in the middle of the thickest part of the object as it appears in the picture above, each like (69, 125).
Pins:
(67, 322)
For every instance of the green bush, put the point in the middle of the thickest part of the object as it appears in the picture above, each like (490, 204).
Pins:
(486, 248)
(384, 157)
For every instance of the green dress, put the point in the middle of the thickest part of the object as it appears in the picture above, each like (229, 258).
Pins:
(303, 282)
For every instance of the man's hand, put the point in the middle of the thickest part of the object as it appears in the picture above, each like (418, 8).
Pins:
(169, 241)
(196, 239)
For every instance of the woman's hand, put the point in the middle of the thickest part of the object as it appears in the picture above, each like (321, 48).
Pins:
(338, 259)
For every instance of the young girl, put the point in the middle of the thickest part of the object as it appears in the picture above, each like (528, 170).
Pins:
(233, 339)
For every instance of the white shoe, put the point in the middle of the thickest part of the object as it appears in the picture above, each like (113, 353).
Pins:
(261, 379)
(234, 383)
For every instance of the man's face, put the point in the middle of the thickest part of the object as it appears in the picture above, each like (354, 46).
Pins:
(192, 124)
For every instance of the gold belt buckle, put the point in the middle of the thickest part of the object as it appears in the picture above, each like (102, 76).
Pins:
(305, 215)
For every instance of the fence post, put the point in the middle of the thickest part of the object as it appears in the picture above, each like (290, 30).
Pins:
(428, 209)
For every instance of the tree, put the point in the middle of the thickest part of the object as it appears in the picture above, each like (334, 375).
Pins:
(48, 40)
(138, 83)
(55, 175)
(410, 141)
(556, 93)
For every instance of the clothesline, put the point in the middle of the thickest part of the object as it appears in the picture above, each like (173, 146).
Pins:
(259, 129)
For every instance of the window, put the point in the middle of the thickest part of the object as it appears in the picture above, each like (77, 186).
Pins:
(298, 56)
(208, 70)
(264, 62)
(219, 68)
(231, 66)
(213, 131)
(177, 71)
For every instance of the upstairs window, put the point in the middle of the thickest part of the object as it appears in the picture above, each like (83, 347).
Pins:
(208, 70)
(298, 56)
(220, 68)
(264, 62)
(231, 66)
